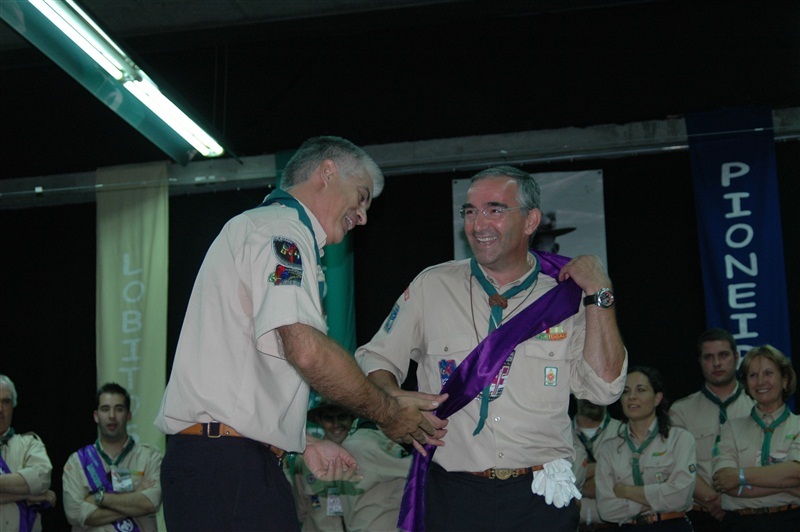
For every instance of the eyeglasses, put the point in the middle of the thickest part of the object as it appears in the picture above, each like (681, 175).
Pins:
(470, 214)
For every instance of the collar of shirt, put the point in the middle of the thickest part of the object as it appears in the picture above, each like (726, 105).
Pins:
(633, 437)
(772, 416)
(500, 289)
(723, 399)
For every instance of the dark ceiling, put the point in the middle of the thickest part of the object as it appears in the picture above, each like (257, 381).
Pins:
(267, 75)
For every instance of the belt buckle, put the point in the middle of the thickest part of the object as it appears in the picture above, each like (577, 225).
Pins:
(209, 432)
(503, 474)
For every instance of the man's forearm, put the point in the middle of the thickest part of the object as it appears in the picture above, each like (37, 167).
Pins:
(103, 516)
(603, 349)
(334, 373)
(14, 484)
(132, 504)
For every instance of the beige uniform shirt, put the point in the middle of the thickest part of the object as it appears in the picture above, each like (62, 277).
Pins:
(260, 273)
(373, 503)
(144, 463)
(589, 512)
(740, 447)
(25, 454)
(440, 319)
(668, 469)
(315, 500)
(697, 414)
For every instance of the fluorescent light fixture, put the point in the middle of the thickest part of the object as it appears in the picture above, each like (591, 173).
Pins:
(73, 22)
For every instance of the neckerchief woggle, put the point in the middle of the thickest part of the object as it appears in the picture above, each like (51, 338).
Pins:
(27, 512)
(481, 366)
(768, 430)
(287, 200)
(97, 477)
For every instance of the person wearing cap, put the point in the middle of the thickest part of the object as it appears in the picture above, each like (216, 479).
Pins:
(705, 412)
(25, 470)
(254, 342)
(769, 435)
(545, 326)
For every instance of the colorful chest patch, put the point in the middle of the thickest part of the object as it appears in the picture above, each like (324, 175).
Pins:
(551, 376)
(446, 368)
(498, 384)
(553, 333)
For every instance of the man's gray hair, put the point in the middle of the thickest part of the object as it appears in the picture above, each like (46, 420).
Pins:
(5, 381)
(349, 159)
(528, 191)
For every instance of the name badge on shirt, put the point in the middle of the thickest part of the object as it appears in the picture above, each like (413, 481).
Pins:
(121, 479)
(334, 503)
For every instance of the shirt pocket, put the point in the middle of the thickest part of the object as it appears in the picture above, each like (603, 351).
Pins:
(658, 468)
(442, 357)
(545, 368)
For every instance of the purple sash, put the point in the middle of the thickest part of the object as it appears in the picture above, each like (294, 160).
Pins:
(97, 477)
(27, 512)
(480, 367)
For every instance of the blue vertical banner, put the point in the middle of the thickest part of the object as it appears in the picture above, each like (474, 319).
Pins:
(739, 225)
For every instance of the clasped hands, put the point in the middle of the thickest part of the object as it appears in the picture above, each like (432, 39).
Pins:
(414, 421)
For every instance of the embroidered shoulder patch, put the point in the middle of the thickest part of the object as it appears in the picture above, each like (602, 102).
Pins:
(391, 318)
(287, 252)
(286, 276)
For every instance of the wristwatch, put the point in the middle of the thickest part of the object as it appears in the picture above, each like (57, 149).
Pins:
(99, 495)
(603, 298)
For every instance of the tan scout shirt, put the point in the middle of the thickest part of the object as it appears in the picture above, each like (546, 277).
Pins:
(440, 319)
(740, 446)
(144, 463)
(373, 505)
(668, 468)
(229, 364)
(25, 454)
(697, 414)
(589, 512)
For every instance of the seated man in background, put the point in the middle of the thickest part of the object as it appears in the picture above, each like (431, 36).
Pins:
(114, 484)
(591, 426)
(24, 470)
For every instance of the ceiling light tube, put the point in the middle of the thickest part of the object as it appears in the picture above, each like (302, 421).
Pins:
(73, 22)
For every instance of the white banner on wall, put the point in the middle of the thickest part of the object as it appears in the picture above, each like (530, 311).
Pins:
(573, 214)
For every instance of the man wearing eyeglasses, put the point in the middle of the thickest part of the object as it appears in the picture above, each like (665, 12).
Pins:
(254, 341)
(507, 334)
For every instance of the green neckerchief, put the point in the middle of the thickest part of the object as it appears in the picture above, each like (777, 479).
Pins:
(765, 447)
(7, 436)
(723, 405)
(588, 443)
(498, 304)
(637, 452)
(107, 459)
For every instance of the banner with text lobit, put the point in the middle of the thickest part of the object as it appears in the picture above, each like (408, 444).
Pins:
(739, 224)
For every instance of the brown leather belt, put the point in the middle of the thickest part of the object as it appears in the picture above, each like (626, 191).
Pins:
(504, 474)
(769, 510)
(218, 430)
(649, 519)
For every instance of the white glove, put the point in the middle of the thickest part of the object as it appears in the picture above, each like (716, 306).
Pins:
(556, 483)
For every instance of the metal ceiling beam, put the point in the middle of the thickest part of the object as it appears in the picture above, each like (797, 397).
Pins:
(397, 159)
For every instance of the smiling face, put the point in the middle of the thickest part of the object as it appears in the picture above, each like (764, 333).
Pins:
(336, 425)
(718, 362)
(500, 245)
(345, 202)
(639, 400)
(765, 383)
(112, 417)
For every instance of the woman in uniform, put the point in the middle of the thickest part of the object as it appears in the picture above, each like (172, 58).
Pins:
(645, 476)
(768, 438)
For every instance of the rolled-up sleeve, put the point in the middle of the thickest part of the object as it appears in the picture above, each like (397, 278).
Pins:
(36, 466)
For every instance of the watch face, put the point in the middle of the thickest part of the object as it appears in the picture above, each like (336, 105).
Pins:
(605, 298)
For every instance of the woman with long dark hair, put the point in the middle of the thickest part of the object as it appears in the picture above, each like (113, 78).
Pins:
(645, 476)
